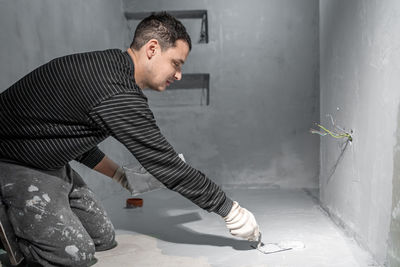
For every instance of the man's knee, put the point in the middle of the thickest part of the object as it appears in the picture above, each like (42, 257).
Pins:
(79, 254)
(93, 217)
(106, 241)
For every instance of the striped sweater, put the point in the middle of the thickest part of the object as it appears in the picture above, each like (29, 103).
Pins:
(63, 109)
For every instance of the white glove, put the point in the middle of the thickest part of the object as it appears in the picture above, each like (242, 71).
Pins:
(120, 177)
(241, 223)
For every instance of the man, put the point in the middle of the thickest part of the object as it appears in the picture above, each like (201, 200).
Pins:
(61, 111)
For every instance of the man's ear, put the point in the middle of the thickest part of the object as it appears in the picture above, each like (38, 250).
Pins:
(151, 48)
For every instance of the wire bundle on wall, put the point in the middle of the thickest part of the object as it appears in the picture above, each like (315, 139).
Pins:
(323, 131)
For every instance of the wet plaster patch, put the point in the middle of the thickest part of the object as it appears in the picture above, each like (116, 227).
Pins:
(141, 250)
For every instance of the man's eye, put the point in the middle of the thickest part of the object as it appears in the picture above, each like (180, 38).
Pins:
(177, 66)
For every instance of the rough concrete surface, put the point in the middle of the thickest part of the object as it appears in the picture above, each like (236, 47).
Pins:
(256, 127)
(171, 229)
(252, 52)
(359, 83)
(141, 250)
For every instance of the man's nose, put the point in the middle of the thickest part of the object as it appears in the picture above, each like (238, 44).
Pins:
(178, 75)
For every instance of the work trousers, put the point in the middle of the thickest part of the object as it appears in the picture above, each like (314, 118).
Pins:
(54, 214)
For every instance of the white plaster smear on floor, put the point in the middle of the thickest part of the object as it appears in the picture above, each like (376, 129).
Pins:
(141, 250)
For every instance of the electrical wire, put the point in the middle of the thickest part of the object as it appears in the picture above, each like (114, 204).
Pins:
(334, 124)
(331, 133)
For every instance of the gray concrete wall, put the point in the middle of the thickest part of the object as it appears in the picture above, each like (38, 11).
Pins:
(263, 61)
(359, 83)
(34, 32)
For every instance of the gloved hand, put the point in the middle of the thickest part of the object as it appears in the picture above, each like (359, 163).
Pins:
(120, 177)
(241, 223)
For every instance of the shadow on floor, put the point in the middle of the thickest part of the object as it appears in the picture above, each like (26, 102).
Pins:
(169, 228)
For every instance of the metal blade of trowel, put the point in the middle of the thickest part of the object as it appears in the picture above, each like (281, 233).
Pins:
(141, 181)
(269, 248)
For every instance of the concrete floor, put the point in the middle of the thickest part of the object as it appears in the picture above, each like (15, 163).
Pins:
(170, 231)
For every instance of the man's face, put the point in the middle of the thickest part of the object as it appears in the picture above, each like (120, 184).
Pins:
(166, 66)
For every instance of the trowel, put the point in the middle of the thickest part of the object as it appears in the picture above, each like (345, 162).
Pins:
(269, 248)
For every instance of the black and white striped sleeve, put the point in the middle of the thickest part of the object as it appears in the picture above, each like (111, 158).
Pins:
(128, 118)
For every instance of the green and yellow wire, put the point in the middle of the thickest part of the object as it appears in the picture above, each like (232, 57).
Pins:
(333, 134)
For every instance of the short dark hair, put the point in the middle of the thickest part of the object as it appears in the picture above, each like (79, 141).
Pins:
(163, 27)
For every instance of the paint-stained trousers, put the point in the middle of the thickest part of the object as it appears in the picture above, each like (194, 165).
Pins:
(55, 215)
